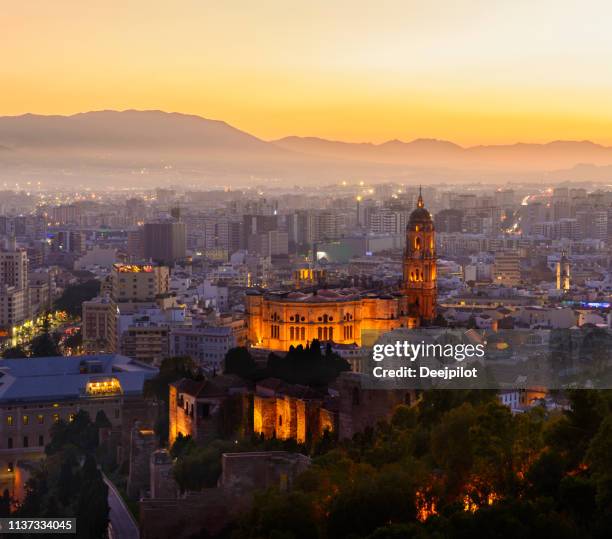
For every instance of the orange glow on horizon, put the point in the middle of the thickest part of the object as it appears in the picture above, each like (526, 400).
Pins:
(471, 72)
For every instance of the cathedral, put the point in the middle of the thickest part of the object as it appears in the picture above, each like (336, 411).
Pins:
(279, 320)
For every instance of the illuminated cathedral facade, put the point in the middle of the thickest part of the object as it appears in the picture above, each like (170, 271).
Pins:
(279, 320)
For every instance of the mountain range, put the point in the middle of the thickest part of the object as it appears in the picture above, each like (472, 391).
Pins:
(214, 149)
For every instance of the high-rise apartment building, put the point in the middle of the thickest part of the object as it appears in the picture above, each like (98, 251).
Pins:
(165, 242)
(67, 214)
(256, 225)
(507, 268)
(14, 267)
(138, 283)
(100, 326)
(14, 289)
(389, 222)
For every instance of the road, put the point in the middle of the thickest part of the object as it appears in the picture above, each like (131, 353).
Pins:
(122, 524)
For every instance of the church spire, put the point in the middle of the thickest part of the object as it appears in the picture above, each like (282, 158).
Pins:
(420, 203)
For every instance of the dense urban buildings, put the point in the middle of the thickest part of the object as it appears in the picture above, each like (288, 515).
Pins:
(280, 321)
(222, 292)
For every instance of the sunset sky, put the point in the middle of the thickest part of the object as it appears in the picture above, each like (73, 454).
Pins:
(470, 71)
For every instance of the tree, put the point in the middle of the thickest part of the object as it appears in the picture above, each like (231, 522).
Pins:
(80, 433)
(307, 366)
(493, 436)
(571, 434)
(545, 474)
(92, 504)
(199, 467)
(5, 504)
(74, 341)
(102, 420)
(45, 345)
(240, 362)
(67, 481)
(451, 447)
(598, 458)
(372, 501)
(280, 515)
(171, 370)
(16, 352)
(440, 321)
(73, 297)
(182, 445)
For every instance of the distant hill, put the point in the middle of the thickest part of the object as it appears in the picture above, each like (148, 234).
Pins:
(432, 152)
(147, 147)
(126, 130)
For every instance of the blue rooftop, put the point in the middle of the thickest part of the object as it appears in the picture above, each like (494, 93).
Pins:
(63, 378)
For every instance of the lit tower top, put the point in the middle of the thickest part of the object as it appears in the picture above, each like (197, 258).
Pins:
(419, 284)
(563, 273)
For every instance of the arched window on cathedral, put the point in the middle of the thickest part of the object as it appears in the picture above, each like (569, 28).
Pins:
(348, 332)
(291, 333)
(331, 334)
(320, 334)
(417, 243)
(303, 334)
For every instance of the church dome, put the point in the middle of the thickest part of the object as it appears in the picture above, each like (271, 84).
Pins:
(420, 216)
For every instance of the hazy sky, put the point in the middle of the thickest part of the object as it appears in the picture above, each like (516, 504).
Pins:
(466, 70)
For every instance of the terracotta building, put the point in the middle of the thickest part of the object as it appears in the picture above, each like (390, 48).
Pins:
(209, 408)
(287, 411)
(277, 321)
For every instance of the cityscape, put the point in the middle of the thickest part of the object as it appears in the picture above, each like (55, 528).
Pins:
(217, 338)
(306, 270)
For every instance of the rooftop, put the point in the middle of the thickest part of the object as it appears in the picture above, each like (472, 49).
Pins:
(63, 378)
(324, 295)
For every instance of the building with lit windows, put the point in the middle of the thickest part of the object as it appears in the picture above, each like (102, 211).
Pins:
(37, 393)
(563, 273)
(277, 321)
(507, 268)
(14, 286)
(100, 325)
(138, 283)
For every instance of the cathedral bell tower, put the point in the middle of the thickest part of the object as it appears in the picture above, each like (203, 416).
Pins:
(419, 284)
(563, 273)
